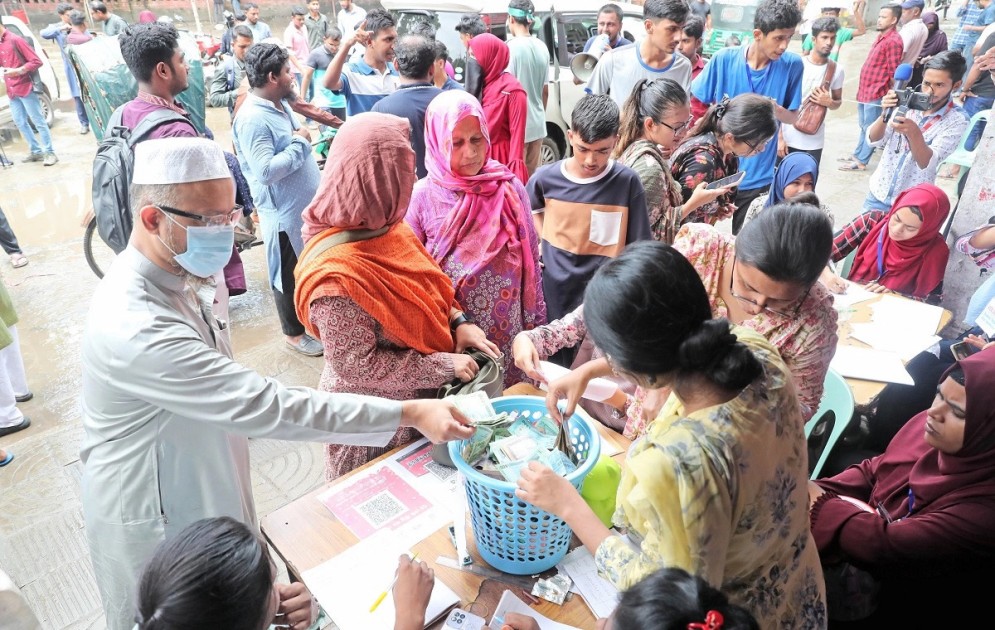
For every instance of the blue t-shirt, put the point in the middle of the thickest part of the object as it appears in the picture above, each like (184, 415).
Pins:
(728, 75)
(411, 101)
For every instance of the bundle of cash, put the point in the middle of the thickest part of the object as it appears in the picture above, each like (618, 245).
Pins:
(476, 447)
(476, 406)
(554, 589)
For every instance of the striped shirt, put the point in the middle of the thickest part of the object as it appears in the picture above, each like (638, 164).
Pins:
(364, 85)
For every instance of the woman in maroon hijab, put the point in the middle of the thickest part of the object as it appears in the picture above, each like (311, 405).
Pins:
(504, 101)
(927, 530)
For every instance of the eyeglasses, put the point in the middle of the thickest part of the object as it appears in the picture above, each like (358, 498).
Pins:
(754, 149)
(679, 128)
(747, 300)
(218, 220)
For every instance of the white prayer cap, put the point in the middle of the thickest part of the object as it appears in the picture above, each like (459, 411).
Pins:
(178, 161)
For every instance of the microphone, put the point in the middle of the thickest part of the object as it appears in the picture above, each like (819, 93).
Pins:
(903, 74)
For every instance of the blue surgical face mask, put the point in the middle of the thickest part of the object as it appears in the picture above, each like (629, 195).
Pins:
(209, 248)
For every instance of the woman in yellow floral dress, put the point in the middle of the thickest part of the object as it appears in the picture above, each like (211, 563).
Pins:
(718, 485)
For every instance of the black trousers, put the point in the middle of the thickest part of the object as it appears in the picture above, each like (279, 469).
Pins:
(285, 307)
(743, 200)
(815, 153)
(7, 238)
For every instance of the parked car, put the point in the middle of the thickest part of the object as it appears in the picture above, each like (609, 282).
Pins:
(564, 26)
(53, 90)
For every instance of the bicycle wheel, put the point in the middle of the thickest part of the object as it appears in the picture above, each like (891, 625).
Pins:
(98, 255)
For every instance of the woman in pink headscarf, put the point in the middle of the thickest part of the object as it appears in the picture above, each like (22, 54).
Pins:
(505, 103)
(474, 217)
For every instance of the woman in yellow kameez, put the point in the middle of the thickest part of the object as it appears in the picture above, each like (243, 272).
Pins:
(718, 484)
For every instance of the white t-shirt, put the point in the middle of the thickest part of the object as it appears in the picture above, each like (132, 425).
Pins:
(914, 35)
(812, 77)
(348, 21)
(620, 69)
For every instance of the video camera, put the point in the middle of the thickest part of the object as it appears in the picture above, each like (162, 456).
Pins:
(910, 99)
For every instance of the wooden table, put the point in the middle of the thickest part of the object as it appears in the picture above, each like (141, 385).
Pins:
(305, 534)
(865, 391)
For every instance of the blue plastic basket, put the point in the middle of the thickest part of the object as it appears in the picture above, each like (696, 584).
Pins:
(514, 536)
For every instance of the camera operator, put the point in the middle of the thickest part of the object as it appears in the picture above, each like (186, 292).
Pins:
(923, 129)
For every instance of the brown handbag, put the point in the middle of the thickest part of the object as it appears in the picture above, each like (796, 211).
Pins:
(811, 115)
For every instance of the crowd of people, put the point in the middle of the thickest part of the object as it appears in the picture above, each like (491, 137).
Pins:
(433, 230)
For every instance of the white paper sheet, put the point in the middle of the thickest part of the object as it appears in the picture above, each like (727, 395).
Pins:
(890, 339)
(348, 584)
(913, 317)
(854, 294)
(870, 365)
(510, 603)
(599, 594)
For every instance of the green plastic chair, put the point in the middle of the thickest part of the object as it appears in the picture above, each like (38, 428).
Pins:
(838, 398)
(846, 264)
(962, 156)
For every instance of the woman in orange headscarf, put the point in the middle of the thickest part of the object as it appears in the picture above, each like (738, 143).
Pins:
(366, 287)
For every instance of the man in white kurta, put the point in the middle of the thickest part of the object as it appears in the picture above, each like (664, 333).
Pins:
(167, 412)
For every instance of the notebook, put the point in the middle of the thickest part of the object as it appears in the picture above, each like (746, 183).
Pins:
(348, 584)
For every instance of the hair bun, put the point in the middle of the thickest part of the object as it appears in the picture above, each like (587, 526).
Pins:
(714, 351)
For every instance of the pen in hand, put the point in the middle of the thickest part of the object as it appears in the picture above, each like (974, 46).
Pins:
(386, 592)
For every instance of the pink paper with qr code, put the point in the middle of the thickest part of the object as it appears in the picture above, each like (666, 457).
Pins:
(376, 501)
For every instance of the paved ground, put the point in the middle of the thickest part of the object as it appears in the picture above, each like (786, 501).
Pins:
(42, 544)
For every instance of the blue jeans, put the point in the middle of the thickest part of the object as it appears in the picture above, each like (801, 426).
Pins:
(84, 120)
(873, 203)
(973, 105)
(24, 107)
(867, 113)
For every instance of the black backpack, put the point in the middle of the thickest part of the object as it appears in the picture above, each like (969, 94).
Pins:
(112, 174)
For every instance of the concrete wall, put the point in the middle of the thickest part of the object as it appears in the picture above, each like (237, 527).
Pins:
(977, 205)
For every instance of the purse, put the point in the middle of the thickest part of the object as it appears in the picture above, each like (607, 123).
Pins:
(489, 378)
(811, 115)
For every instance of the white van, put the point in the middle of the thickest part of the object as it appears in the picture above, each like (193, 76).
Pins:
(46, 72)
(563, 25)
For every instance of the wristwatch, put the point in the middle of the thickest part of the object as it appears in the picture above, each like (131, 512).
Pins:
(458, 321)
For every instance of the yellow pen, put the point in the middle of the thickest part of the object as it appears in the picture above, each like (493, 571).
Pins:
(383, 595)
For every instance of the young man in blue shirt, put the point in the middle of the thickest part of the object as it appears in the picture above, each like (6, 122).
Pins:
(763, 67)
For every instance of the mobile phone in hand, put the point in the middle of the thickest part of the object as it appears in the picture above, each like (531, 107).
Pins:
(961, 350)
(732, 180)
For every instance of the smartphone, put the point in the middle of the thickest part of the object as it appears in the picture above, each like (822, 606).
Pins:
(732, 180)
(961, 350)
(463, 620)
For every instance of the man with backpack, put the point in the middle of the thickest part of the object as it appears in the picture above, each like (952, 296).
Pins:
(153, 55)
(227, 79)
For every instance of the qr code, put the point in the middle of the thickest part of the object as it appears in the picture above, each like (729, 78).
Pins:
(381, 509)
(444, 473)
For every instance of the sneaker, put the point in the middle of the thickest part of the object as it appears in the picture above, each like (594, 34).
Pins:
(24, 397)
(83, 130)
(308, 346)
(50, 159)
(34, 157)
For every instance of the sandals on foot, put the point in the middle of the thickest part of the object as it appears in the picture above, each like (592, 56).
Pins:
(852, 166)
(7, 460)
(18, 260)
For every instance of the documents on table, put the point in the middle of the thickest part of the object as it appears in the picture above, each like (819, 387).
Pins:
(908, 315)
(409, 495)
(855, 293)
(887, 338)
(510, 603)
(598, 593)
(598, 389)
(347, 584)
(870, 365)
